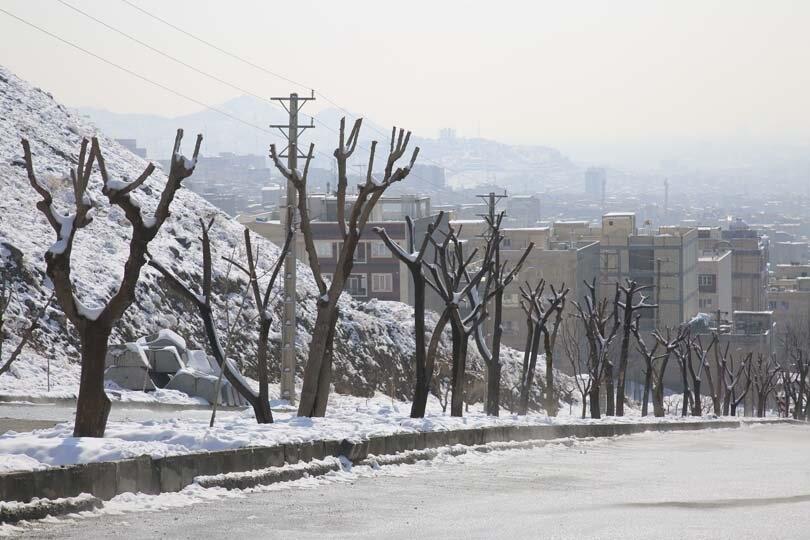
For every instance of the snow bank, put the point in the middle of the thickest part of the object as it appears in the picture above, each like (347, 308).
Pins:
(349, 418)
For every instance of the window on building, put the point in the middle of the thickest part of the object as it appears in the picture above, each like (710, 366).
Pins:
(642, 260)
(324, 249)
(382, 283)
(379, 250)
(357, 286)
(511, 299)
(707, 283)
(360, 253)
(506, 243)
(705, 303)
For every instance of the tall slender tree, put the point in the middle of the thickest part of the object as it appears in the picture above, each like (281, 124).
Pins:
(498, 278)
(630, 310)
(318, 369)
(412, 259)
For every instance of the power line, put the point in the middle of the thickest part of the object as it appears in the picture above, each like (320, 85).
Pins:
(155, 83)
(205, 73)
(144, 78)
(274, 74)
(133, 73)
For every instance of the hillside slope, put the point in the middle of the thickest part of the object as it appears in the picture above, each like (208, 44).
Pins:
(373, 344)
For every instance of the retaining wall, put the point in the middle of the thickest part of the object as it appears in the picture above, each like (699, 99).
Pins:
(154, 475)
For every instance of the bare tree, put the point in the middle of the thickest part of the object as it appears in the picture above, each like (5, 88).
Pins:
(797, 349)
(630, 309)
(539, 310)
(451, 280)
(202, 302)
(734, 395)
(318, 369)
(572, 340)
(669, 345)
(412, 259)
(6, 298)
(595, 318)
(715, 381)
(262, 301)
(95, 325)
(765, 372)
(650, 358)
(498, 278)
(697, 354)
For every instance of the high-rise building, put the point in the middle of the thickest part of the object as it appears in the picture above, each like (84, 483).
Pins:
(596, 182)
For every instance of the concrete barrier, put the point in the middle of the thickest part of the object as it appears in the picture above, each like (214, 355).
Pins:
(172, 473)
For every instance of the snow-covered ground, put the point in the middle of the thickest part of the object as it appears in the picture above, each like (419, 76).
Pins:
(348, 417)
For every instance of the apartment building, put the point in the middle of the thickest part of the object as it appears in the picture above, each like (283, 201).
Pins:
(749, 258)
(714, 283)
(376, 272)
(665, 260)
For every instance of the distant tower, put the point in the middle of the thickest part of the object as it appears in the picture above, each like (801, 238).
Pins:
(666, 201)
(596, 183)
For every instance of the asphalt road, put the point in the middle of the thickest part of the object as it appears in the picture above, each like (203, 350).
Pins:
(29, 416)
(752, 482)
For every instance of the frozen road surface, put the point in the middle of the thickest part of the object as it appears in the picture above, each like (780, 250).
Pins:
(752, 482)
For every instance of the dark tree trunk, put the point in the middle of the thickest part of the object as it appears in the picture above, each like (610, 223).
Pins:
(658, 399)
(551, 396)
(459, 365)
(528, 378)
(623, 355)
(493, 401)
(646, 397)
(93, 406)
(315, 388)
(594, 400)
(610, 408)
(697, 408)
(422, 381)
(264, 415)
(262, 410)
(685, 382)
(493, 388)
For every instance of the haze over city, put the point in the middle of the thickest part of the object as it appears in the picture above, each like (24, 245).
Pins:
(627, 82)
(519, 269)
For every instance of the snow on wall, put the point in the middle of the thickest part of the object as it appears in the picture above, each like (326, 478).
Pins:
(374, 342)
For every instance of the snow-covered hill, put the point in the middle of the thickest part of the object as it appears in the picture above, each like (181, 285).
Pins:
(374, 341)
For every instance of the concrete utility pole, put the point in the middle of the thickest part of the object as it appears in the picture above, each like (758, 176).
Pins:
(290, 131)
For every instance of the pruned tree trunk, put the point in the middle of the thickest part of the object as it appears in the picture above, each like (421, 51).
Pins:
(93, 405)
(94, 326)
(629, 309)
(318, 369)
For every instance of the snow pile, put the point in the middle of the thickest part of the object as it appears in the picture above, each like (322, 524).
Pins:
(373, 344)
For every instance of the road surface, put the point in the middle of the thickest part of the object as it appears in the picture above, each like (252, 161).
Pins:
(28, 416)
(752, 482)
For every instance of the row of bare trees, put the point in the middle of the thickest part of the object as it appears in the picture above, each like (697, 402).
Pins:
(470, 284)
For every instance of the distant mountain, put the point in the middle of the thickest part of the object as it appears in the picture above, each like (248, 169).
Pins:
(468, 161)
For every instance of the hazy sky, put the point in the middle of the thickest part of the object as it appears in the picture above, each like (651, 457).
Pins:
(545, 72)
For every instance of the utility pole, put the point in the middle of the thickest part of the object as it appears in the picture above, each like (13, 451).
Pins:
(290, 131)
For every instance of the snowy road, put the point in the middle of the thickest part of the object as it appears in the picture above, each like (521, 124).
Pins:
(752, 482)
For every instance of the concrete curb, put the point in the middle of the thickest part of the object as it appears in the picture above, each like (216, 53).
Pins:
(150, 475)
(263, 477)
(42, 508)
